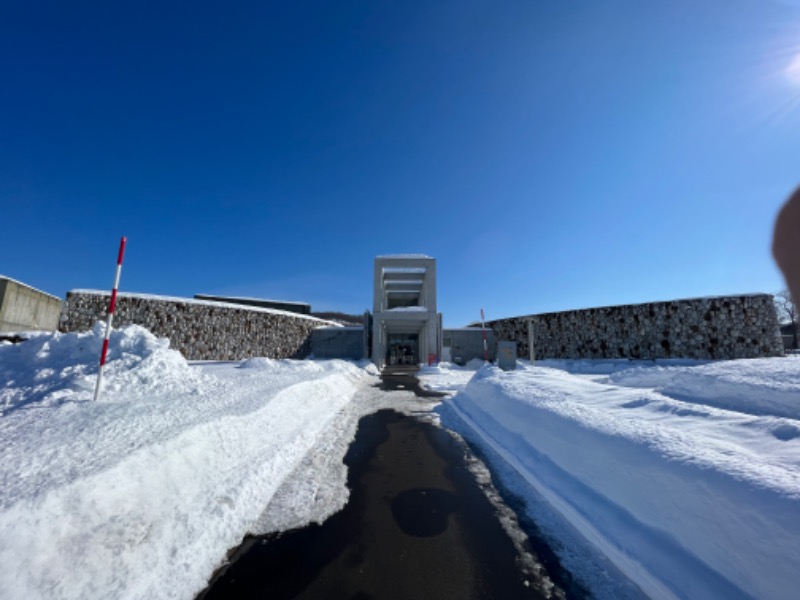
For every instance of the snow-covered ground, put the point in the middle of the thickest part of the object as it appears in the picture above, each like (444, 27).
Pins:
(141, 495)
(684, 476)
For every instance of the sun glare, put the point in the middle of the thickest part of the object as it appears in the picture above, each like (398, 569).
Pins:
(775, 88)
(793, 71)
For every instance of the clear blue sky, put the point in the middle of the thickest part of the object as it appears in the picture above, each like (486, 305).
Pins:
(549, 154)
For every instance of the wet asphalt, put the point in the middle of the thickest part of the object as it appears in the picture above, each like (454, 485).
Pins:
(417, 525)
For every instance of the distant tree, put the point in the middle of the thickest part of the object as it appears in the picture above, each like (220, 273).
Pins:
(787, 313)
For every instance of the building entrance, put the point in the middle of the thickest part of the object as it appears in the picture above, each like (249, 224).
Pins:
(403, 349)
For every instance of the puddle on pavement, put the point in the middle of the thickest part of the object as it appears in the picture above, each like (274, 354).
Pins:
(423, 512)
(417, 525)
(405, 380)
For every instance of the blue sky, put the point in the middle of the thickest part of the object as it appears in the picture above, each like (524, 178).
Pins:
(550, 154)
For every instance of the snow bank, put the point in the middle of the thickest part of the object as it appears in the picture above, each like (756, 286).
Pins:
(475, 364)
(688, 500)
(368, 366)
(446, 377)
(757, 387)
(50, 369)
(611, 365)
(142, 494)
(283, 364)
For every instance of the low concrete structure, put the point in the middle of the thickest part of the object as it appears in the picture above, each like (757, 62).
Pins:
(406, 329)
(23, 308)
(339, 342)
(507, 355)
(464, 344)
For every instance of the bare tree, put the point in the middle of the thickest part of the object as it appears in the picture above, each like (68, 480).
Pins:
(787, 313)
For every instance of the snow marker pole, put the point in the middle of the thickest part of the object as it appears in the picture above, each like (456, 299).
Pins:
(485, 345)
(111, 306)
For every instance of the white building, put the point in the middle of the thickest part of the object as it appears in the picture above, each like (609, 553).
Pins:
(406, 329)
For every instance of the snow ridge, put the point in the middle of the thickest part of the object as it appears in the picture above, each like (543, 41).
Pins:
(141, 495)
(688, 500)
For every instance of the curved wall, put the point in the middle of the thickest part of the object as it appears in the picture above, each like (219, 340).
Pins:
(200, 330)
(702, 328)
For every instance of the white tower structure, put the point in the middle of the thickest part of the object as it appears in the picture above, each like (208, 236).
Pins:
(406, 329)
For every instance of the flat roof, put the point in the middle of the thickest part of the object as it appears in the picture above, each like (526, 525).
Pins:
(30, 287)
(249, 299)
(406, 256)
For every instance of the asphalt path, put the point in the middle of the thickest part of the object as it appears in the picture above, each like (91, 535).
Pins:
(417, 525)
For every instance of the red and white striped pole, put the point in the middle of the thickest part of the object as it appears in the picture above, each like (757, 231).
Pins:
(111, 306)
(485, 345)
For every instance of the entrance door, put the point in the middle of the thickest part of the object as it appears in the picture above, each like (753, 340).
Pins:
(403, 349)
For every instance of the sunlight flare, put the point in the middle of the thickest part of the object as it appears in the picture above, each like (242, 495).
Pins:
(793, 71)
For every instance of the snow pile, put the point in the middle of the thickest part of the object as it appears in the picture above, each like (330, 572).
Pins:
(475, 364)
(50, 369)
(283, 364)
(142, 494)
(687, 499)
(368, 366)
(447, 377)
(754, 386)
(610, 365)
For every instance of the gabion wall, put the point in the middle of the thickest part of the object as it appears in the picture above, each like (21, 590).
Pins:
(199, 330)
(703, 328)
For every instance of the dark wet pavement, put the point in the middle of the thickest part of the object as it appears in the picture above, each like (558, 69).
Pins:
(417, 525)
(405, 378)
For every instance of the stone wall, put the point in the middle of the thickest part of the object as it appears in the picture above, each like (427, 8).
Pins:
(200, 330)
(703, 328)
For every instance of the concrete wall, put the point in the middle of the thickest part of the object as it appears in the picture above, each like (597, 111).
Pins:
(467, 343)
(703, 328)
(338, 342)
(23, 308)
(398, 279)
(199, 330)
